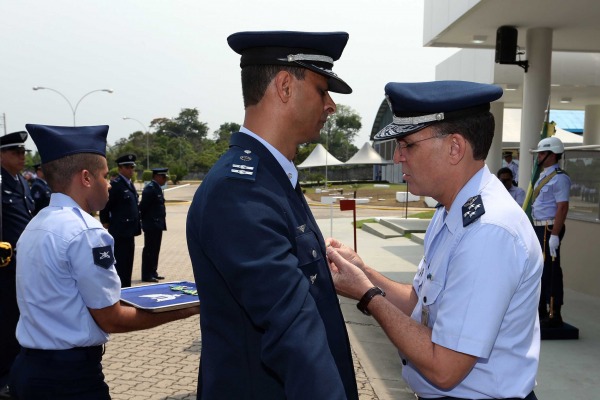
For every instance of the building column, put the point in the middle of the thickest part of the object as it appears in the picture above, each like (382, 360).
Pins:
(494, 158)
(536, 92)
(591, 125)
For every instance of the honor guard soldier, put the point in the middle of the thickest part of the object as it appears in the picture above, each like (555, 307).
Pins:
(466, 328)
(68, 290)
(17, 211)
(154, 213)
(270, 318)
(550, 205)
(121, 217)
(40, 191)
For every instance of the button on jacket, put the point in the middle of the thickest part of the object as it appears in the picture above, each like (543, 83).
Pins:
(269, 313)
(121, 211)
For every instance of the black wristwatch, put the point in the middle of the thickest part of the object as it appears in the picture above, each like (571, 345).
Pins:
(367, 297)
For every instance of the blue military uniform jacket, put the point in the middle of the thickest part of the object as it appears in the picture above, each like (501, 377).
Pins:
(122, 212)
(17, 209)
(41, 192)
(271, 323)
(152, 208)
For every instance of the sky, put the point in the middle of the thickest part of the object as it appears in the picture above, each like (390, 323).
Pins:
(160, 56)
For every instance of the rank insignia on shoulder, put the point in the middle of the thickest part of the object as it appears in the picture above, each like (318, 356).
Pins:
(243, 166)
(103, 256)
(472, 210)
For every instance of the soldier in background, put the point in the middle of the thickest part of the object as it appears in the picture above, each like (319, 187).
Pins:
(40, 191)
(153, 211)
(550, 205)
(17, 211)
(121, 217)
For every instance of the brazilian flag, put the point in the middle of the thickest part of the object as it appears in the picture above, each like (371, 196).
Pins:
(548, 129)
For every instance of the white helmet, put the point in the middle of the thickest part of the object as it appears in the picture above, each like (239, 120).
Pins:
(551, 144)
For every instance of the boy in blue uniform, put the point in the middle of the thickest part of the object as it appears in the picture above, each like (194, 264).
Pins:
(67, 288)
(467, 327)
(271, 323)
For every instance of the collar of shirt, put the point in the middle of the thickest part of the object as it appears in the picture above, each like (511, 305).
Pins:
(288, 166)
(62, 200)
(472, 188)
(125, 178)
(549, 170)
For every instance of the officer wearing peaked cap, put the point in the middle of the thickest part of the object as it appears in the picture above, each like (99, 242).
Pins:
(67, 288)
(121, 216)
(17, 211)
(477, 283)
(272, 282)
(154, 222)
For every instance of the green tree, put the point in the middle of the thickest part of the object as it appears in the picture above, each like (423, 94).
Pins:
(337, 135)
(339, 132)
(223, 134)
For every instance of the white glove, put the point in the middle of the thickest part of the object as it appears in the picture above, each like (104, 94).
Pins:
(553, 244)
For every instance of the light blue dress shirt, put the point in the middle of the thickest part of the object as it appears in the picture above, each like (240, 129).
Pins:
(58, 280)
(479, 288)
(556, 190)
(518, 194)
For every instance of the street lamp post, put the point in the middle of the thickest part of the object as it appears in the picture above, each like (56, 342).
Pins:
(73, 109)
(147, 142)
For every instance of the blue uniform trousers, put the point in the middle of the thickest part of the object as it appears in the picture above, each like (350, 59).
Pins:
(73, 374)
(124, 252)
(150, 253)
(552, 277)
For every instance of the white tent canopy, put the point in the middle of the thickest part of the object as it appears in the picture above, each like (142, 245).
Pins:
(366, 155)
(319, 157)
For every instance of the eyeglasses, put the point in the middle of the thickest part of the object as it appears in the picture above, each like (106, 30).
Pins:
(403, 145)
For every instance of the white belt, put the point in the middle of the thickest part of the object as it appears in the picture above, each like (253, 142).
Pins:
(543, 223)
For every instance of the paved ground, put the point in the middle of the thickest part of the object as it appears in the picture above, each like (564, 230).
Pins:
(162, 363)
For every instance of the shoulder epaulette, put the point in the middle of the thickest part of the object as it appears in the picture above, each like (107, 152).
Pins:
(243, 165)
(472, 210)
(561, 171)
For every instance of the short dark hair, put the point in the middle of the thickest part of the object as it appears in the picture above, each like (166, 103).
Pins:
(477, 129)
(59, 172)
(504, 170)
(256, 78)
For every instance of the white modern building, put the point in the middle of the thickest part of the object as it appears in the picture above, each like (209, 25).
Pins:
(557, 64)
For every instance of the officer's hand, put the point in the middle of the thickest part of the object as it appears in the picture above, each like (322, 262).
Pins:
(348, 279)
(553, 244)
(345, 252)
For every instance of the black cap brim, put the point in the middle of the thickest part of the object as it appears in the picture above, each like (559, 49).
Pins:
(272, 48)
(395, 131)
